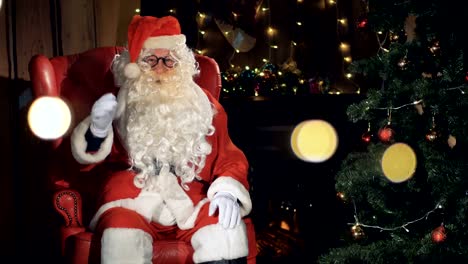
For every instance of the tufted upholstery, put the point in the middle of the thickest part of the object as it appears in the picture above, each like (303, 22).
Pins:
(80, 79)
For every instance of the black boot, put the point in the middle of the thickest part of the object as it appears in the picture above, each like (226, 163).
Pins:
(228, 261)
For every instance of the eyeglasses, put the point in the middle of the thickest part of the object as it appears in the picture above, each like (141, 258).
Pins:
(153, 60)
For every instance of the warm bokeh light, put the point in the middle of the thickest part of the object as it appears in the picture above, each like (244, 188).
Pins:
(399, 162)
(49, 117)
(314, 140)
(344, 47)
(284, 225)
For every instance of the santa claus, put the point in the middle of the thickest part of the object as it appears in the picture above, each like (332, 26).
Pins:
(184, 177)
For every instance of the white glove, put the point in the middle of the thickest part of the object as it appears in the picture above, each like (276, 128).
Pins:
(229, 211)
(102, 115)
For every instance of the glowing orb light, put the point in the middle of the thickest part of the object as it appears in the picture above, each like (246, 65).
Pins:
(399, 162)
(314, 141)
(49, 117)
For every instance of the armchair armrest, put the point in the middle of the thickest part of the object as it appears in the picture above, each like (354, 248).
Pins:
(43, 80)
(67, 202)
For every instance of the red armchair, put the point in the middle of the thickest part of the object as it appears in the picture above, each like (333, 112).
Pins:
(80, 80)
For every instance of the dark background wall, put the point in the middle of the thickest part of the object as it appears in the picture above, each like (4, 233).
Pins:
(317, 39)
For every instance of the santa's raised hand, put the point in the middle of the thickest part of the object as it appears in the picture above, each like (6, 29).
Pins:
(102, 115)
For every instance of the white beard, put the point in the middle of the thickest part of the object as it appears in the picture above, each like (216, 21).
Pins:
(166, 123)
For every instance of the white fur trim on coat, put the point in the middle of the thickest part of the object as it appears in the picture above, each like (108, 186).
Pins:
(162, 208)
(126, 245)
(164, 42)
(161, 214)
(177, 200)
(150, 205)
(79, 144)
(234, 187)
(213, 243)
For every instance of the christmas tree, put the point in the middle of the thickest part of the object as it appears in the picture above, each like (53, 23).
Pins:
(406, 187)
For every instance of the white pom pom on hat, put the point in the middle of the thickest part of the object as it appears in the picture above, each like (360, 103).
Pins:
(151, 33)
(132, 70)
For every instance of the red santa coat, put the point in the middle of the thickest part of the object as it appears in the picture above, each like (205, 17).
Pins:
(225, 170)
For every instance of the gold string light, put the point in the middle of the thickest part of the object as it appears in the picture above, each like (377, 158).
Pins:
(271, 32)
(459, 88)
(344, 47)
(397, 107)
(201, 17)
(403, 226)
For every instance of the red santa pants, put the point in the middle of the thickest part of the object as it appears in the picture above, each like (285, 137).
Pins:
(121, 186)
(124, 218)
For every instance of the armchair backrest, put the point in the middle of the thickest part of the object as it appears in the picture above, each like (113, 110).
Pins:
(80, 79)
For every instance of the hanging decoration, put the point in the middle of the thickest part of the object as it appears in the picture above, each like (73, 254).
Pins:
(410, 28)
(238, 38)
(291, 81)
(290, 65)
(358, 232)
(386, 134)
(452, 141)
(362, 23)
(342, 197)
(419, 108)
(367, 136)
(439, 234)
(433, 133)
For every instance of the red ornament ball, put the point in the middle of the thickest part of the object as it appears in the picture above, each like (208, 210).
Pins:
(362, 23)
(432, 135)
(439, 234)
(386, 134)
(366, 137)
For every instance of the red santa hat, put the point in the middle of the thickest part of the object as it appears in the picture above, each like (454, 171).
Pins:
(151, 33)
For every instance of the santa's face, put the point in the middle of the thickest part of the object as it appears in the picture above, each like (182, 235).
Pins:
(167, 116)
(162, 64)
